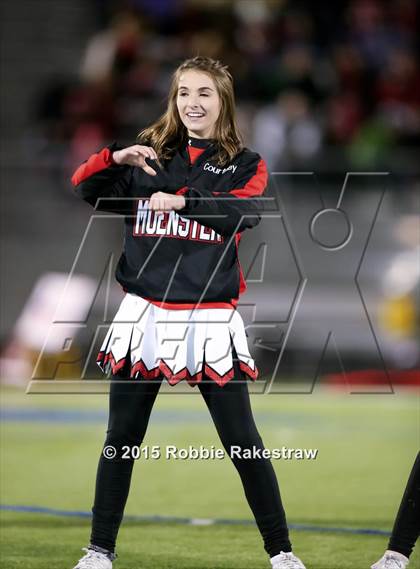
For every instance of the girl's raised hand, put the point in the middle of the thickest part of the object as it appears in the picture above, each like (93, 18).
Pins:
(135, 156)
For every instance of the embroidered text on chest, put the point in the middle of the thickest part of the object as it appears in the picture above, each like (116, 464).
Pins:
(217, 170)
(170, 224)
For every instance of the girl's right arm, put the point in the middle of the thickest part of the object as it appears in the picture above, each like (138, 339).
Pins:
(106, 176)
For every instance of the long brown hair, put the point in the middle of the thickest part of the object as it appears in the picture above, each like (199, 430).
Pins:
(168, 133)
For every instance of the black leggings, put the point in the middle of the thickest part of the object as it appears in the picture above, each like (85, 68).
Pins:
(130, 405)
(406, 528)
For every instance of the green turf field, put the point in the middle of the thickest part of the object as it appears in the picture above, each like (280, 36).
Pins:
(366, 445)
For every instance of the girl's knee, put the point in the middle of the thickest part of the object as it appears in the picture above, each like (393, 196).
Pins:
(122, 437)
(243, 439)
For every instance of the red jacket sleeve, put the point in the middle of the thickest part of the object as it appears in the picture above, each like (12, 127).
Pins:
(101, 182)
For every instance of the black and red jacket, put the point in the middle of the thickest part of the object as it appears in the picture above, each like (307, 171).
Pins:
(194, 262)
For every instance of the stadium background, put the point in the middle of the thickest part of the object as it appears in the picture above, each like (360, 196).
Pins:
(321, 88)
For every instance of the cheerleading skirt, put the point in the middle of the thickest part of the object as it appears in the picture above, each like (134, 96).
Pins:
(179, 344)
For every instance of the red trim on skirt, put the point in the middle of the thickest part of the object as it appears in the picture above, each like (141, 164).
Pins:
(163, 368)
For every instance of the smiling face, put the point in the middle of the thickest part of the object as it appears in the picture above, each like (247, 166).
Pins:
(198, 103)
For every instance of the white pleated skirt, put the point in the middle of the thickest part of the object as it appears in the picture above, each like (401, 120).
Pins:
(179, 344)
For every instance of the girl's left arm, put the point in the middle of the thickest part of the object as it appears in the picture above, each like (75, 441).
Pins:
(233, 210)
(102, 183)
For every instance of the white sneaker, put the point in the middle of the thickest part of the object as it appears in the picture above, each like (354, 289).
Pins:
(391, 560)
(93, 560)
(286, 561)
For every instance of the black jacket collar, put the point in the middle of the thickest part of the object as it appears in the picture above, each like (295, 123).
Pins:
(200, 142)
(208, 144)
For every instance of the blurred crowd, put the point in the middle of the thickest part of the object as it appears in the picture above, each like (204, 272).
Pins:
(319, 85)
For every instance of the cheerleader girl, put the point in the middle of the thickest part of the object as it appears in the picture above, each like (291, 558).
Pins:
(188, 189)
